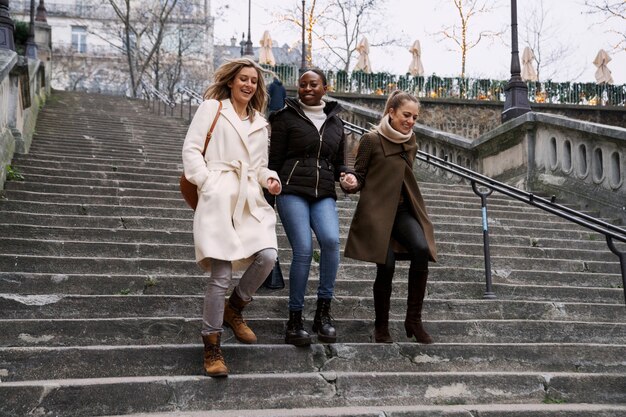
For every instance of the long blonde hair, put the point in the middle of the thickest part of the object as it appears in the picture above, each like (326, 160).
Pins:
(397, 98)
(220, 90)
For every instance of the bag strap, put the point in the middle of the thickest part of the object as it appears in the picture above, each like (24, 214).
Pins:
(210, 133)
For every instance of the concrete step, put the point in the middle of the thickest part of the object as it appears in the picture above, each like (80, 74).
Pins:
(72, 362)
(603, 303)
(503, 267)
(445, 235)
(443, 282)
(184, 330)
(180, 249)
(491, 410)
(334, 389)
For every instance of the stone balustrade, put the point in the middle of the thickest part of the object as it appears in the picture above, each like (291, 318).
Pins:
(24, 85)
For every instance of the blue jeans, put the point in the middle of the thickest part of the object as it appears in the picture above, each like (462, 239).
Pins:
(298, 216)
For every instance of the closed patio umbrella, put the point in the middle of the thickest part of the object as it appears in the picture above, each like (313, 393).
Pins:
(266, 56)
(363, 64)
(416, 68)
(528, 69)
(603, 73)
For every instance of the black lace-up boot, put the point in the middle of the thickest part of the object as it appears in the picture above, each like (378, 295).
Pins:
(323, 322)
(295, 334)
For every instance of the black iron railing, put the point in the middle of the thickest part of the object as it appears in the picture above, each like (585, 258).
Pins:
(484, 186)
(191, 96)
(156, 99)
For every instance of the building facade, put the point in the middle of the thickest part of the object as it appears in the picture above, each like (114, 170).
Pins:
(93, 52)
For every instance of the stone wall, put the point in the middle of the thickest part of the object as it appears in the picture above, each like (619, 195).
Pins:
(24, 85)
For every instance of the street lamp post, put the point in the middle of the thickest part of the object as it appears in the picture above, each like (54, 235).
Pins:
(249, 51)
(31, 46)
(6, 27)
(516, 91)
(303, 61)
(41, 13)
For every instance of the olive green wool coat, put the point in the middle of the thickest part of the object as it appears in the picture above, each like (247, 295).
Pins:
(381, 168)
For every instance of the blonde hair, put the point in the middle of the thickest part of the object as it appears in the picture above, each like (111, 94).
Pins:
(397, 99)
(220, 90)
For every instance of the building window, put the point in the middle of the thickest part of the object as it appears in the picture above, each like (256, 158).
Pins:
(79, 39)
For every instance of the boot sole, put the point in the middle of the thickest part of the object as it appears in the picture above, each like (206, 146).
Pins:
(326, 339)
(217, 375)
(298, 342)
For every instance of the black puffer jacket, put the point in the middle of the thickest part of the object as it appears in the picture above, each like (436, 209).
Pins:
(308, 161)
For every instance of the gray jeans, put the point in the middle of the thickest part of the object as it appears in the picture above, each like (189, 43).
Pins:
(219, 281)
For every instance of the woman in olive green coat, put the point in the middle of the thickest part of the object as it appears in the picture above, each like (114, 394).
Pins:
(391, 216)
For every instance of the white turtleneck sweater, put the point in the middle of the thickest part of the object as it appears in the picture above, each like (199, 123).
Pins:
(315, 113)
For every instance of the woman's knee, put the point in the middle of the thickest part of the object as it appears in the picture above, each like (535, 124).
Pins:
(266, 257)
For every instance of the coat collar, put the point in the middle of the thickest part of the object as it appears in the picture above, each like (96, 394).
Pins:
(390, 148)
(332, 107)
(228, 111)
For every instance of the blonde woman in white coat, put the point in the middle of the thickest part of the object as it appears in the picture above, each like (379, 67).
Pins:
(234, 226)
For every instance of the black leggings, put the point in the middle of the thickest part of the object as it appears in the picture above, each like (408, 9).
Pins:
(408, 232)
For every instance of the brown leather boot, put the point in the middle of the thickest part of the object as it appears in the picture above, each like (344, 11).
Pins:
(382, 303)
(234, 319)
(413, 323)
(214, 365)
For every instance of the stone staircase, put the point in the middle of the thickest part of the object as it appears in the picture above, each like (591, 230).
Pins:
(100, 299)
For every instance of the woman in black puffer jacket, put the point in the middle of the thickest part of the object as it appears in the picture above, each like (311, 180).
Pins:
(307, 151)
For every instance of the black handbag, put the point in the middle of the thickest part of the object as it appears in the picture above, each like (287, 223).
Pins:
(274, 280)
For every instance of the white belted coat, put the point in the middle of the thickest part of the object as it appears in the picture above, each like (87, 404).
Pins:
(233, 220)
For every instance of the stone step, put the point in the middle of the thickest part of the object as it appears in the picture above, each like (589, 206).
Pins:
(443, 282)
(184, 330)
(447, 251)
(490, 410)
(445, 235)
(41, 363)
(182, 261)
(64, 161)
(99, 396)
(535, 236)
(85, 209)
(589, 305)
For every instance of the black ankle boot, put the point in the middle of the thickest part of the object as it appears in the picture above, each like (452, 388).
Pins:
(323, 324)
(295, 333)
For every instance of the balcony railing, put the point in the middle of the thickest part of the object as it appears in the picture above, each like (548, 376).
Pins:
(462, 88)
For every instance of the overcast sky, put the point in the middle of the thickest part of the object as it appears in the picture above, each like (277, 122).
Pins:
(407, 20)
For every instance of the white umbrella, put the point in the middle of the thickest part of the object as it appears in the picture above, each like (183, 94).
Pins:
(603, 73)
(266, 56)
(363, 64)
(528, 69)
(416, 67)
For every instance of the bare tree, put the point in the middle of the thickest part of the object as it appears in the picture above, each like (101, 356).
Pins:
(611, 11)
(352, 19)
(460, 34)
(338, 25)
(138, 20)
(541, 34)
(313, 14)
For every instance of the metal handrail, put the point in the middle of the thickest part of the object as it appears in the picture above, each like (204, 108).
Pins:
(150, 90)
(611, 232)
(192, 96)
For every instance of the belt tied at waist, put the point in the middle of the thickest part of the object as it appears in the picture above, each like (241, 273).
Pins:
(243, 171)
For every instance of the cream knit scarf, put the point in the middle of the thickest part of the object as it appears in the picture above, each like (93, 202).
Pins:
(391, 134)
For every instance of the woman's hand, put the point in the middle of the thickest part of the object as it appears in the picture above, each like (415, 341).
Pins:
(273, 186)
(348, 181)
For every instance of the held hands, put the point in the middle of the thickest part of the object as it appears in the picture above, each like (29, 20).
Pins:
(273, 186)
(348, 181)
